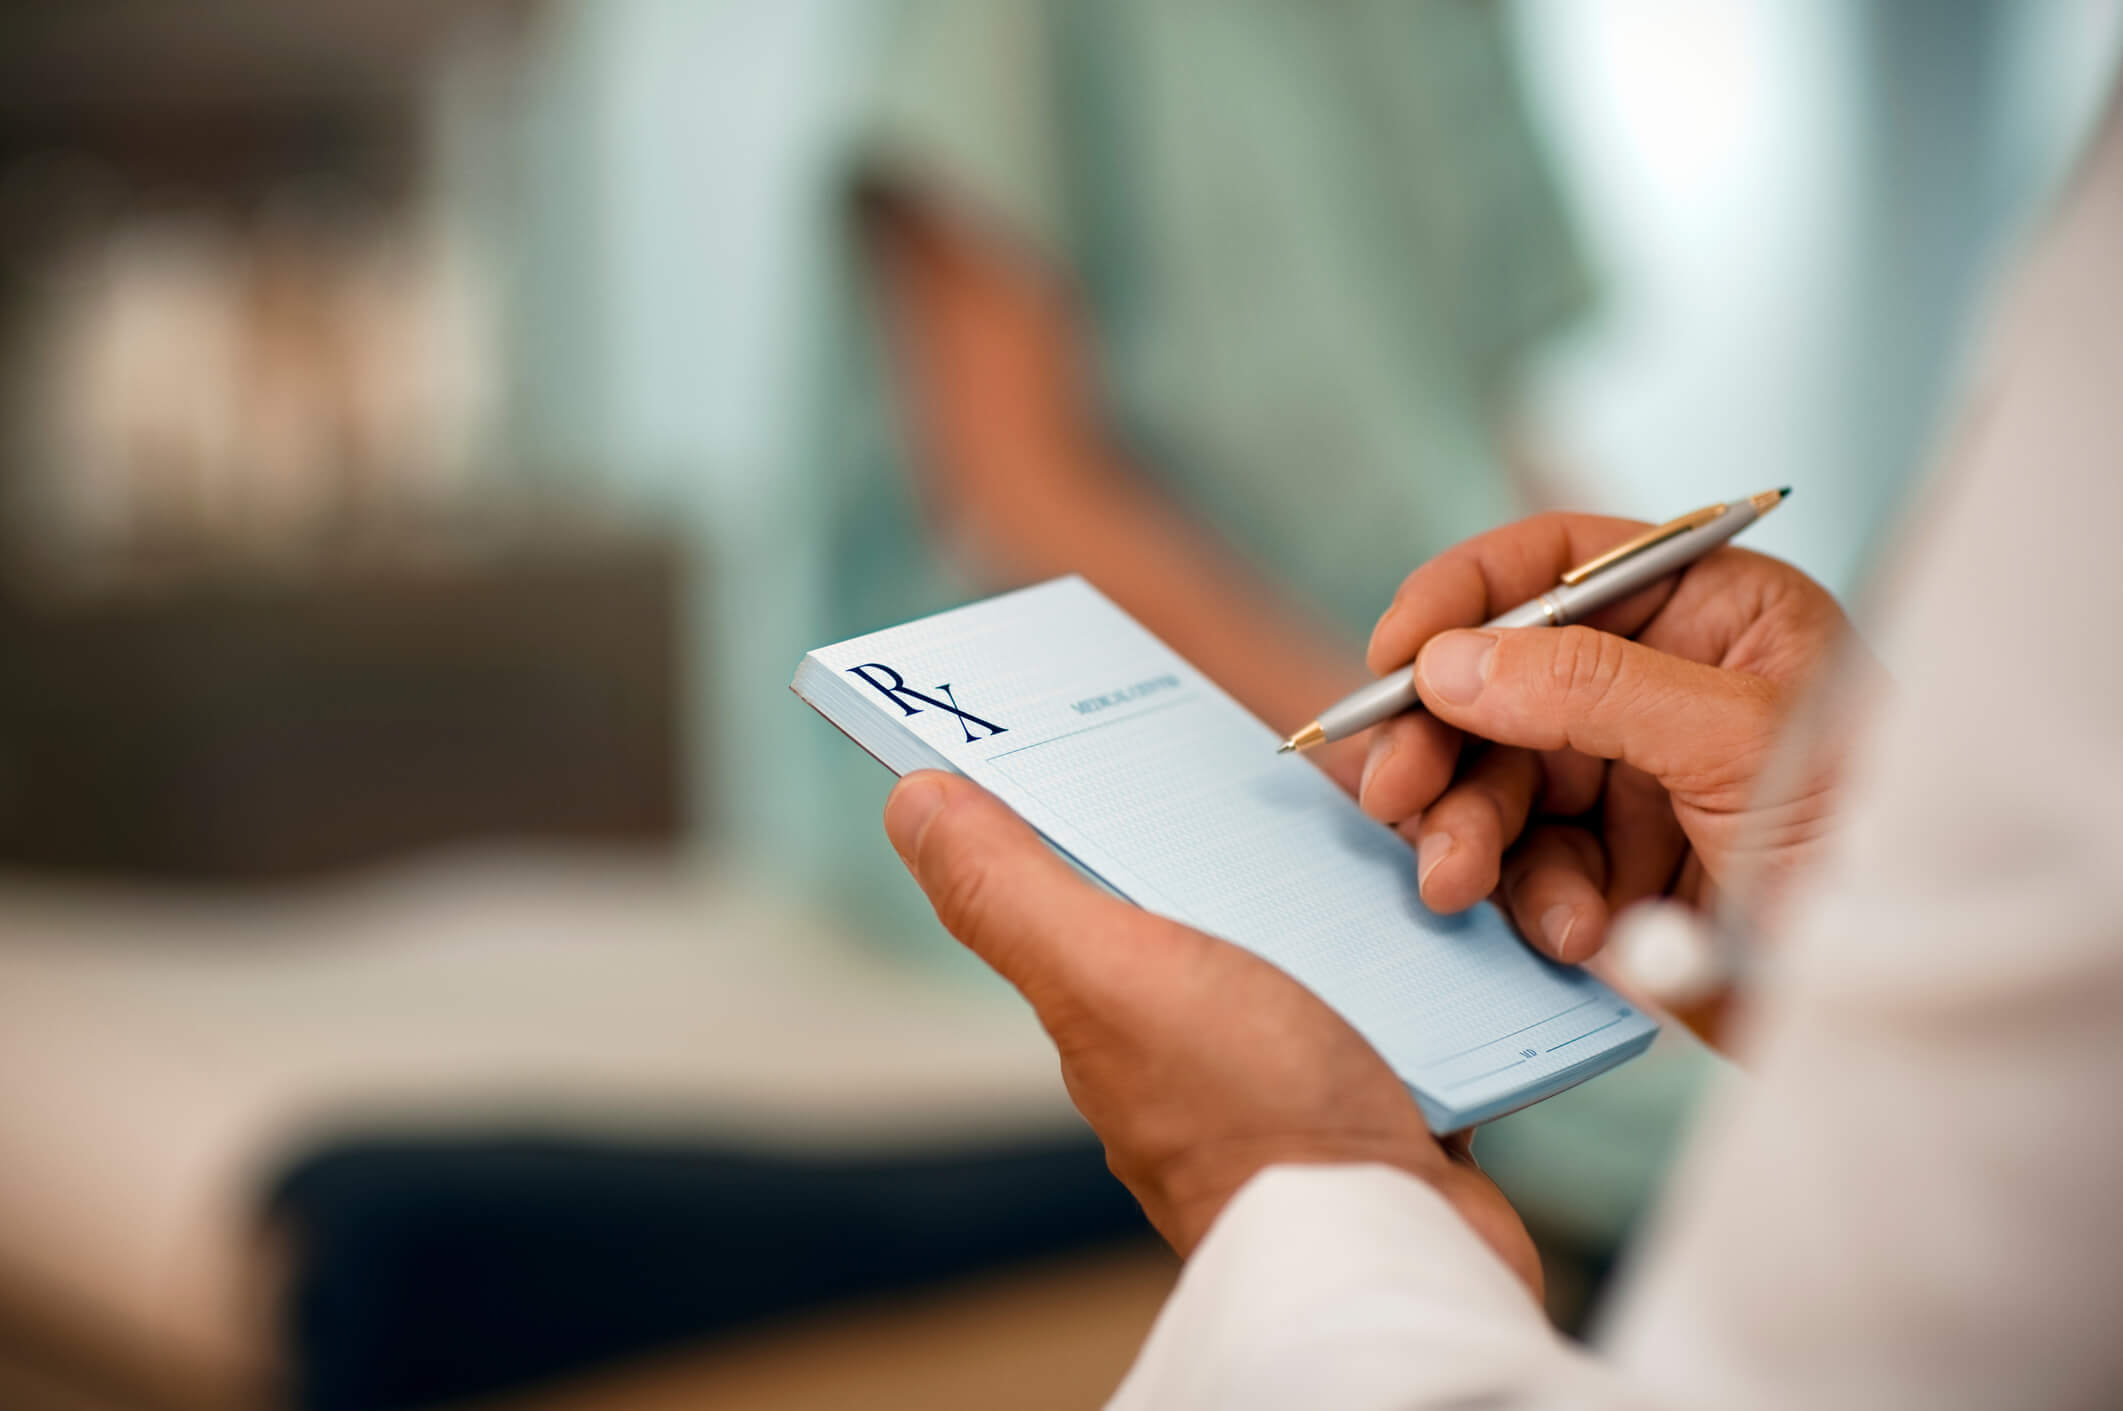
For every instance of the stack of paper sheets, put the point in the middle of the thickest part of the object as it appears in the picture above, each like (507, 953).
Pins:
(1156, 783)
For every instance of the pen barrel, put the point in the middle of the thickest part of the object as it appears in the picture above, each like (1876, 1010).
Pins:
(1395, 692)
(1640, 570)
(1365, 707)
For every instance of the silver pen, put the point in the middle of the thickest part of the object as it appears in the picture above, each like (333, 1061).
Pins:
(1592, 585)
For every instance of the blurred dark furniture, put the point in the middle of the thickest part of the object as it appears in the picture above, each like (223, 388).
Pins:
(254, 726)
(433, 1270)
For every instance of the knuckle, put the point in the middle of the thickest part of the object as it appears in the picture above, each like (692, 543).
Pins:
(1489, 812)
(958, 876)
(1512, 871)
(1484, 805)
(1510, 788)
(1547, 525)
(1585, 664)
(961, 898)
(1745, 725)
(1581, 851)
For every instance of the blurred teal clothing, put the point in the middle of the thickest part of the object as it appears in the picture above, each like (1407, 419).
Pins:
(1305, 244)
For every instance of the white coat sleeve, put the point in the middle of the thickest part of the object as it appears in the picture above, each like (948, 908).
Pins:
(1355, 1287)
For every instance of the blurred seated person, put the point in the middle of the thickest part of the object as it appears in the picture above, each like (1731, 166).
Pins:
(1220, 307)
(1216, 306)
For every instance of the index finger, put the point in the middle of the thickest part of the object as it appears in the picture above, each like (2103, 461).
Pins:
(1474, 581)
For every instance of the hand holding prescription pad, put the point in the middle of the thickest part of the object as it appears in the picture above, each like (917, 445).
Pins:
(1163, 788)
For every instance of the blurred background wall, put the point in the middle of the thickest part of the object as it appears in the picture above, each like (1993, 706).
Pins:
(599, 247)
(675, 165)
(1797, 209)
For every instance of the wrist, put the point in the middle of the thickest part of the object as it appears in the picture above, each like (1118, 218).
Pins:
(1188, 1193)
(1194, 1192)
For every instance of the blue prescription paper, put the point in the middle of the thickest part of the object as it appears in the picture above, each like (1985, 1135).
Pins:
(1137, 768)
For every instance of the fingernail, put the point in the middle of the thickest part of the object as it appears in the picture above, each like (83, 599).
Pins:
(1381, 750)
(1556, 924)
(1428, 854)
(1455, 665)
(908, 811)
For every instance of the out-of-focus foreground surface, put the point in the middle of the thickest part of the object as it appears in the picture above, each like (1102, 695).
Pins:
(438, 961)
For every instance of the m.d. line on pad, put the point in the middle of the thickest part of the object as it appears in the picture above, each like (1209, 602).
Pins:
(1126, 694)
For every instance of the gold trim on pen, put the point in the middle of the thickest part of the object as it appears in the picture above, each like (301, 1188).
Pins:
(1694, 519)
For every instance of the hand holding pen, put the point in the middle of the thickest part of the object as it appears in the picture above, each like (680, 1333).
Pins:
(1622, 753)
(1607, 577)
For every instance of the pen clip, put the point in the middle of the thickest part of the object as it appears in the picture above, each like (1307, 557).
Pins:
(1694, 519)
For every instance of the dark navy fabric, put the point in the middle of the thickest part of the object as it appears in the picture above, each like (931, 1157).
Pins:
(427, 1270)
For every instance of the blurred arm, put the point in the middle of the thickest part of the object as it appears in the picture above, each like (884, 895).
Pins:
(1017, 471)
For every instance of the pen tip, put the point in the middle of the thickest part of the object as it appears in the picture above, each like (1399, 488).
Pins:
(1784, 492)
(1304, 739)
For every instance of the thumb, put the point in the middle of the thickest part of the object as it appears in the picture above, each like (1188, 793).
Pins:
(995, 885)
(1691, 726)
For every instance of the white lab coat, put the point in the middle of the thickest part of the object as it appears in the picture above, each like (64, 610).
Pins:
(1915, 1197)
